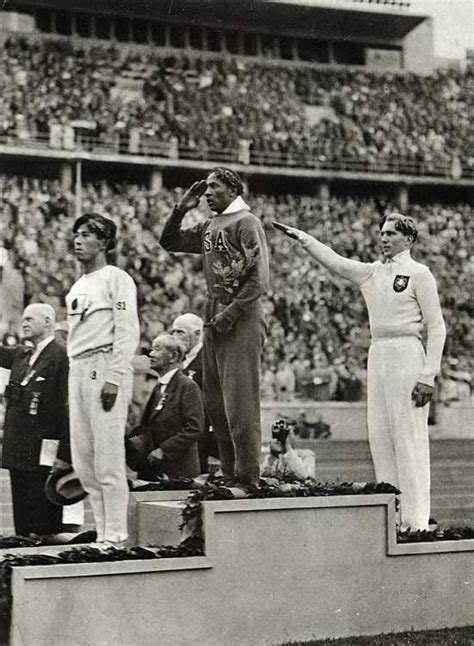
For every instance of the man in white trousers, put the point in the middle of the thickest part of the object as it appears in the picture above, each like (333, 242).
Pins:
(401, 298)
(103, 337)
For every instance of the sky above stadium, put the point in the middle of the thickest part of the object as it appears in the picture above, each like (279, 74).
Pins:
(453, 25)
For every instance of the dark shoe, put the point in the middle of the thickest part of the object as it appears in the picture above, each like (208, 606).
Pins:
(69, 538)
(84, 537)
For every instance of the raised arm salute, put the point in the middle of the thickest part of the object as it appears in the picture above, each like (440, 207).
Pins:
(401, 298)
(235, 261)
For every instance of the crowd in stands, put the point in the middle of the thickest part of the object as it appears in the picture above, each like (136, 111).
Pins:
(299, 114)
(318, 334)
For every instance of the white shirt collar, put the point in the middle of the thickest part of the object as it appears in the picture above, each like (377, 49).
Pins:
(39, 348)
(403, 255)
(399, 257)
(168, 376)
(236, 205)
(192, 354)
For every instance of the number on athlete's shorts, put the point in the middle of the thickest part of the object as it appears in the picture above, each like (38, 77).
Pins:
(121, 305)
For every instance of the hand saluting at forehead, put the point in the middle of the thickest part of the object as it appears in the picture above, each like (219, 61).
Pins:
(192, 196)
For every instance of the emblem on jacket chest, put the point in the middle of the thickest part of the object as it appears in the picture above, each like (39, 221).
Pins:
(400, 283)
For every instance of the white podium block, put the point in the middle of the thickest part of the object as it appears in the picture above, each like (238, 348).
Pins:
(139, 498)
(158, 523)
(275, 570)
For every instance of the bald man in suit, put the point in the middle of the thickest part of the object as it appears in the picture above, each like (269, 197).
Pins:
(36, 420)
(189, 328)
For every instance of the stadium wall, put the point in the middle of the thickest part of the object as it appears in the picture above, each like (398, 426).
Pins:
(348, 420)
(418, 51)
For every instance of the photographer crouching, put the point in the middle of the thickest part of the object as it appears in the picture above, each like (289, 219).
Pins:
(283, 459)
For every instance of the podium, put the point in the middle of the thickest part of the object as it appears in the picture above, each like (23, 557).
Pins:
(274, 570)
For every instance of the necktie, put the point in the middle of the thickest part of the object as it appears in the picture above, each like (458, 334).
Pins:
(26, 369)
(157, 397)
(162, 398)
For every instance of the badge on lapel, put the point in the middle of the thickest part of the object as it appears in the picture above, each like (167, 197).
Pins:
(190, 374)
(400, 283)
(161, 402)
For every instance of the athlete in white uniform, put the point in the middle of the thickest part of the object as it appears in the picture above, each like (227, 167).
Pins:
(103, 337)
(401, 298)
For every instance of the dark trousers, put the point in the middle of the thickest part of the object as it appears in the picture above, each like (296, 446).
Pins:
(231, 392)
(33, 513)
(207, 447)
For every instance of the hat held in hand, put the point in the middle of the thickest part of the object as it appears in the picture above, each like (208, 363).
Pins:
(64, 488)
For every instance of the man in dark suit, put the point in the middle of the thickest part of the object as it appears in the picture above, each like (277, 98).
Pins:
(189, 328)
(36, 420)
(166, 440)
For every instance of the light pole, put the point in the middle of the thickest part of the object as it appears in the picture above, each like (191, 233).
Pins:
(78, 187)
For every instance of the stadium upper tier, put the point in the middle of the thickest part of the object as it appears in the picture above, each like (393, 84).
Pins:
(179, 105)
(312, 318)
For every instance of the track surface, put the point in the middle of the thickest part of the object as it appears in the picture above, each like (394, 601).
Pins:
(452, 477)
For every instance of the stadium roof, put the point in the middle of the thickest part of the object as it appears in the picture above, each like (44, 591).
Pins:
(356, 20)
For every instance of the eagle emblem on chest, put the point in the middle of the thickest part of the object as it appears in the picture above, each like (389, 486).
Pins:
(400, 283)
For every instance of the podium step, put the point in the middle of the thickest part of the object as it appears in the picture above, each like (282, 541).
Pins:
(351, 577)
(158, 522)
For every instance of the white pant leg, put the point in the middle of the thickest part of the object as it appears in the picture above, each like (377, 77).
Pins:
(399, 363)
(411, 439)
(82, 441)
(379, 422)
(98, 449)
(108, 429)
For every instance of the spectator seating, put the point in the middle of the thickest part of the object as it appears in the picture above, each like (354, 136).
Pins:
(318, 325)
(150, 101)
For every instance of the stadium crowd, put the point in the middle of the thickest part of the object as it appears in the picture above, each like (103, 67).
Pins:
(298, 114)
(318, 335)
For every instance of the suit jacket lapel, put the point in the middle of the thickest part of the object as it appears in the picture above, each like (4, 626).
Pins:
(151, 411)
(22, 368)
(44, 358)
(152, 403)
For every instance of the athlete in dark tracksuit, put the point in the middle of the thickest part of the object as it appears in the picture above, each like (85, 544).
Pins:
(235, 260)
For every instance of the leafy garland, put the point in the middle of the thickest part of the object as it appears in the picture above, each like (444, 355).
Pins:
(163, 483)
(430, 536)
(11, 542)
(272, 488)
(193, 546)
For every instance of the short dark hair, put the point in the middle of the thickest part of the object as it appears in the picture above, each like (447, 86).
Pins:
(104, 228)
(404, 224)
(229, 177)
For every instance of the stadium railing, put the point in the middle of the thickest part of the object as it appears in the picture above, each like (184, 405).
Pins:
(120, 144)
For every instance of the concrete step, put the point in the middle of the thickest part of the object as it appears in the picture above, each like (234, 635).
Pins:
(158, 522)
